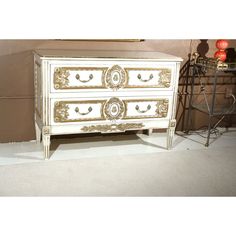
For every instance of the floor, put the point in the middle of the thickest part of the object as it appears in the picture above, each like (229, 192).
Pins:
(122, 165)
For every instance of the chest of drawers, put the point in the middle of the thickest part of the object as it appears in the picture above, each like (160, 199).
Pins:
(103, 91)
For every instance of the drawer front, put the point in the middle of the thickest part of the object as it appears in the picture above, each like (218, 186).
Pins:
(77, 111)
(115, 77)
(146, 108)
(148, 77)
(78, 77)
(111, 109)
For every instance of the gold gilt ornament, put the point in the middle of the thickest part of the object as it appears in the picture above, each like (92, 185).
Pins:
(162, 108)
(61, 112)
(115, 77)
(165, 78)
(114, 109)
(61, 78)
(112, 127)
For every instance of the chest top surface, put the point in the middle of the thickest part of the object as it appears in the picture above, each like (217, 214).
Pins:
(88, 54)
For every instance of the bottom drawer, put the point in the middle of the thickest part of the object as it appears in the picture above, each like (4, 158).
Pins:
(115, 108)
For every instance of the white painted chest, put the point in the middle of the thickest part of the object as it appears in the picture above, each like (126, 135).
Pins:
(104, 91)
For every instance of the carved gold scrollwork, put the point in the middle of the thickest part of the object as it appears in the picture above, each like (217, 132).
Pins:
(162, 108)
(165, 78)
(61, 112)
(61, 78)
(114, 109)
(115, 77)
(112, 127)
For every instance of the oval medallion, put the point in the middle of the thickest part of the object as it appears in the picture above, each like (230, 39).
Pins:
(114, 109)
(115, 77)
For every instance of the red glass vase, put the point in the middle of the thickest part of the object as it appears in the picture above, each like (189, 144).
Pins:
(221, 54)
(222, 44)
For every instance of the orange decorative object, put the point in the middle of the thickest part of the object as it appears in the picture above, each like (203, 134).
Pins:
(221, 54)
(222, 44)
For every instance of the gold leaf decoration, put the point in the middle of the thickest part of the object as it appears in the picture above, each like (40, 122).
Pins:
(61, 78)
(112, 127)
(115, 77)
(114, 109)
(61, 112)
(162, 108)
(165, 78)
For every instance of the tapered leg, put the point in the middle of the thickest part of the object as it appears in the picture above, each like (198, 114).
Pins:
(170, 134)
(46, 146)
(149, 132)
(38, 133)
(46, 142)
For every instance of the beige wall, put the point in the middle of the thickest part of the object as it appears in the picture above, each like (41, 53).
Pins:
(16, 76)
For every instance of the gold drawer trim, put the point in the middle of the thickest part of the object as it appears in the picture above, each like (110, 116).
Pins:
(61, 74)
(164, 80)
(162, 106)
(61, 109)
(61, 80)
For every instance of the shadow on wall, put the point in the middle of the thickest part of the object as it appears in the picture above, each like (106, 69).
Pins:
(203, 48)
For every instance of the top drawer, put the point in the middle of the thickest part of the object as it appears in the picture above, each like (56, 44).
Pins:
(78, 78)
(112, 77)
